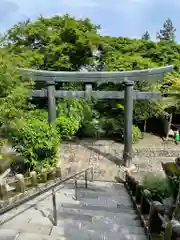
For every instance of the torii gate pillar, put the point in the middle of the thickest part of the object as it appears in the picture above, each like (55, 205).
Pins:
(128, 118)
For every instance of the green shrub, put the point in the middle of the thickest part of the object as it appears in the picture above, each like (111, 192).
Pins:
(77, 109)
(14, 93)
(136, 135)
(36, 141)
(3, 142)
(39, 114)
(158, 185)
(66, 127)
(90, 128)
(112, 127)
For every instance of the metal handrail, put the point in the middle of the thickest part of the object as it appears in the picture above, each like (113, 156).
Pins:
(47, 189)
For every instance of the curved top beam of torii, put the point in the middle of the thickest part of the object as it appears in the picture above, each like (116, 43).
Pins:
(61, 76)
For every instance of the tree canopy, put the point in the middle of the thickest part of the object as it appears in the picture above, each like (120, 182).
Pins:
(167, 32)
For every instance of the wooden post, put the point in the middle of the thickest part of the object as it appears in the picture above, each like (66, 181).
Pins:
(43, 175)
(154, 222)
(3, 190)
(20, 186)
(34, 180)
(139, 190)
(51, 102)
(58, 172)
(145, 203)
(128, 115)
(175, 234)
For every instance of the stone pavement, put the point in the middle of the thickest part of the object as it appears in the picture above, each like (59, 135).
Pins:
(106, 155)
(103, 211)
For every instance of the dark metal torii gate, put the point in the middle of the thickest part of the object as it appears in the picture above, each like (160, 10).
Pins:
(127, 77)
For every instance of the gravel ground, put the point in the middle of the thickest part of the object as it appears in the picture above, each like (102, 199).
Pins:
(105, 156)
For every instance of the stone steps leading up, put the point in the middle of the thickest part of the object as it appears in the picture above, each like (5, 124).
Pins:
(103, 211)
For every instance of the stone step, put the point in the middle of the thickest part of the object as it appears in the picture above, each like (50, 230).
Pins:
(116, 208)
(28, 227)
(103, 211)
(88, 193)
(87, 234)
(90, 216)
(7, 234)
(64, 227)
(96, 186)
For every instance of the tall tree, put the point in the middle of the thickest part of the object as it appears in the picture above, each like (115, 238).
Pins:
(168, 32)
(146, 36)
(57, 43)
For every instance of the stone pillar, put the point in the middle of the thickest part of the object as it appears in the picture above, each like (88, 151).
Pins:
(128, 117)
(51, 102)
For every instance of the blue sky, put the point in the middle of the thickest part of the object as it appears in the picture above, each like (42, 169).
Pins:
(129, 18)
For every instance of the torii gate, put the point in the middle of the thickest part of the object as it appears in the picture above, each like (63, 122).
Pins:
(127, 77)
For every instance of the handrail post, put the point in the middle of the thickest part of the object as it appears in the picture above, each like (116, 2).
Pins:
(154, 222)
(92, 174)
(175, 230)
(75, 190)
(172, 231)
(145, 203)
(86, 179)
(54, 207)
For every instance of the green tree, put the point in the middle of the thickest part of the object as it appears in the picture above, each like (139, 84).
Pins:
(14, 93)
(168, 32)
(57, 43)
(146, 36)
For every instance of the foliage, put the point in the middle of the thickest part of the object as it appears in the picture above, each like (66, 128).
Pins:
(57, 43)
(136, 134)
(90, 128)
(3, 143)
(168, 31)
(71, 115)
(66, 127)
(158, 185)
(146, 36)
(36, 141)
(13, 91)
(113, 127)
(74, 108)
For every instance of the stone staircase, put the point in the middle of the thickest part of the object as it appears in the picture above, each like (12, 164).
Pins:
(103, 211)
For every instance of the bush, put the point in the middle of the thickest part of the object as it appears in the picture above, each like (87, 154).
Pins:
(66, 127)
(77, 109)
(14, 93)
(36, 141)
(112, 127)
(39, 114)
(136, 135)
(90, 128)
(158, 185)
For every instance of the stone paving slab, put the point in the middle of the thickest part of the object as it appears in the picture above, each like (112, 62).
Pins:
(87, 234)
(105, 156)
(8, 234)
(34, 236)
(27, 227)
